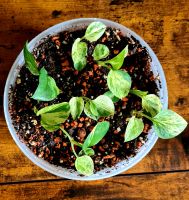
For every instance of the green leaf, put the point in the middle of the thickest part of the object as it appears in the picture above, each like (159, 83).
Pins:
(168, 124)
(119, 83)
(102, 106)
(50, 128)
(47, 89)
(79, 53)
(88, 112)
(84, 165)
(88, 151)
(98, 132)
(111, 96)
(117, 61)
(152, 104)
(134, 129)
(94, 31)
(52, 116)
(30, 61)
(76, 106)
(138, 93)
(101, 51)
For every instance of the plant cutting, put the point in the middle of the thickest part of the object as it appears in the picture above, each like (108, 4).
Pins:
(87, 99)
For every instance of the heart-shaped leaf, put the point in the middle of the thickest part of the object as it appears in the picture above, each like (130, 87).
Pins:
(102, 106)
(94, 31)
(101, 51)
(134, 128)
(52, 116)
(119, 83)
(76, 106)
(98, 132)
(84, 165)
(111, 96)
(79, 53)
(152, 104)
(47, 89)
(168, 124)
(30, 61)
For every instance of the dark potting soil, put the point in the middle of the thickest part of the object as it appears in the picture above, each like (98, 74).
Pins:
(54, 53)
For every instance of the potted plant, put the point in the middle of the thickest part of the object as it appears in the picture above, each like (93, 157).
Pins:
(87, 99)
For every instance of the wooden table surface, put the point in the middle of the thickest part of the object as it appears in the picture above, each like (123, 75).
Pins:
(164, 172)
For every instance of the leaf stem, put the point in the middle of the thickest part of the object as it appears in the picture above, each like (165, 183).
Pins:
(103, 64)
(135, 93)
(144, 115)
(73, 149)
(139, 93)
(72, 141)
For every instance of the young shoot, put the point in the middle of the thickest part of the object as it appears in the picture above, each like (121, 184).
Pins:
(84, 163)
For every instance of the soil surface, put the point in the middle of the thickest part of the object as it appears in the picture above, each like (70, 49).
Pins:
(54, 53)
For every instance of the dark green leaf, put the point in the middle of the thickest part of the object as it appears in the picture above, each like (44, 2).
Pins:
(79, 53)
(88, 112)
(117, 61)
(101, 51)
(30, 61)
(134, 128)
(102, 106)
(84, 165)
(168, 124)
(98, 132)
(119, 83)
(47, 89)
(152, 104)
(111, 96)
(76, 106)
(94, 31)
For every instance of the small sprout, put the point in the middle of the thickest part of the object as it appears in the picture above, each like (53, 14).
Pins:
(117, 61)
(84, 163)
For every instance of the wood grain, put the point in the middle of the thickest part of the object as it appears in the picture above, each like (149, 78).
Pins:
(167, 155)
(165, 26)
(172, 186)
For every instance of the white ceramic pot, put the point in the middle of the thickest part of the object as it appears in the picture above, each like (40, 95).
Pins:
(71, 174)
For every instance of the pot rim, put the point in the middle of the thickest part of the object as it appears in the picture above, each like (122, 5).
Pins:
(63, 172)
